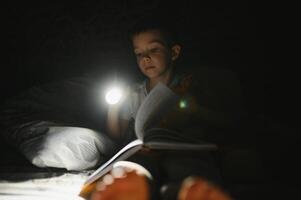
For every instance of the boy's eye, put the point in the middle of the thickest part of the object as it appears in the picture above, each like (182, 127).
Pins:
(154, 50)
(138, 55)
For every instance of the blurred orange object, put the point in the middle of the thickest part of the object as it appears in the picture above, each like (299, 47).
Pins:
(129, 186)
(130, 181)
(195, 188)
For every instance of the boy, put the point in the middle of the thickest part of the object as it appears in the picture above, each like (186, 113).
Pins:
(156, 52)
(214, 101)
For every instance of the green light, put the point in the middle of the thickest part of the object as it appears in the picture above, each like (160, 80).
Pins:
(183, 104)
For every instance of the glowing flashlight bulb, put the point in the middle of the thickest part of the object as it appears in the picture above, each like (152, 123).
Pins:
(113, 96)
(183, 104)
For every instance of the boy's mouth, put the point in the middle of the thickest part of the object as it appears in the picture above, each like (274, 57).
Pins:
(149, 67)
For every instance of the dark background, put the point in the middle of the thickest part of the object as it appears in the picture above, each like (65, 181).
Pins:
(44, 42)
(49, 41)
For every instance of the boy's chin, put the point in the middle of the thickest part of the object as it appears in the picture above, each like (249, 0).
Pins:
(151, 75)
(155, 74)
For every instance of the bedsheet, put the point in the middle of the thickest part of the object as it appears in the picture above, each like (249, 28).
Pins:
(59, 186)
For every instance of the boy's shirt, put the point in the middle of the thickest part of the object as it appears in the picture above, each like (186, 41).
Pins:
(136, 96)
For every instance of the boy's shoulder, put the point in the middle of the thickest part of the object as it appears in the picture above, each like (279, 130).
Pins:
(137, 87)
(183, 81)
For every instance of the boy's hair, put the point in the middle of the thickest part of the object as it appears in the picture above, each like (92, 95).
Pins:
(163, 25)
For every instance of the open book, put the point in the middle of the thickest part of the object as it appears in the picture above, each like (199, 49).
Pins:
(158, 103)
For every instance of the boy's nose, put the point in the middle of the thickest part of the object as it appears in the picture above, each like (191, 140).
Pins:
(146, 58)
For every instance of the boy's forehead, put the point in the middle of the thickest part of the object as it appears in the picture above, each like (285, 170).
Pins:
(147, 37)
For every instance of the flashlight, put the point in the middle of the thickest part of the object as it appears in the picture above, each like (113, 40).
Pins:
(114, 95)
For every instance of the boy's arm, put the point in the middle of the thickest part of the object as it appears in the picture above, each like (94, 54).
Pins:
(115, 125)
(207, 107)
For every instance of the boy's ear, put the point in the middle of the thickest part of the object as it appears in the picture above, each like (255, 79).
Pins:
(175, 52)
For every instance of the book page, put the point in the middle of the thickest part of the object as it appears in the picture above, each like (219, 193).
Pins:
(166, 139)
(122, 154)
(157, 103)
(181, 146)
(163, 134)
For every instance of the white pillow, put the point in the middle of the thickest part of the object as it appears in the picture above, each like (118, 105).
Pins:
(72, 148)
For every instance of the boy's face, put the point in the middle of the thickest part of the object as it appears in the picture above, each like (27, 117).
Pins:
(153, 55)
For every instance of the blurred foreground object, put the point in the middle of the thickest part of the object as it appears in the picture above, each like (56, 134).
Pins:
(127, 181)
(196, 188)
(130, 181)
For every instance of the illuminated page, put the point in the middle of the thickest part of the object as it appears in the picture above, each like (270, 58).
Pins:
(123, 154)
(156, 104)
